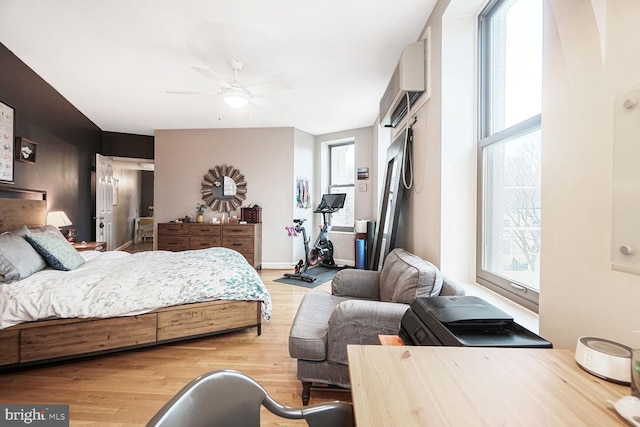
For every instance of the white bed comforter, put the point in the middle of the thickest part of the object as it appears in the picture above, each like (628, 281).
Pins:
(117, 283)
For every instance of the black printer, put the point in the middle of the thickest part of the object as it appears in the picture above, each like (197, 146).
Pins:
(464, 321)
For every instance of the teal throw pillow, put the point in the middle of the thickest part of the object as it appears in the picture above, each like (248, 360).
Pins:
(58, 253)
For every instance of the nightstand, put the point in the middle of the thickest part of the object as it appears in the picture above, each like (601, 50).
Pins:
(89, 246)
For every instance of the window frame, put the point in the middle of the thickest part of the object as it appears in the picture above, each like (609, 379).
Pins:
(330, 185)
(522, 295)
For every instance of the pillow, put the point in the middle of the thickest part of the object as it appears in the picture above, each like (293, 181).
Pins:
(23, 231)
(8, 272)
(19, 257)
(56, 250)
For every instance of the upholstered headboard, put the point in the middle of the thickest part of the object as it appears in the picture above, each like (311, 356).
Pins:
(22, 207)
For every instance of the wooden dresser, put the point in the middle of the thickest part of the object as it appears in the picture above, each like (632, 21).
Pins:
(244, 238)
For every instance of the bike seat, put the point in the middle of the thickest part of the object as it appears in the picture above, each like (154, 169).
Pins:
(299, 220)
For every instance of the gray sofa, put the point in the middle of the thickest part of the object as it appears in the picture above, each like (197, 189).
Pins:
(362, 305)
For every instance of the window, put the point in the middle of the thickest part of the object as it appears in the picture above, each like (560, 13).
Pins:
(342, 180)
(510, 148)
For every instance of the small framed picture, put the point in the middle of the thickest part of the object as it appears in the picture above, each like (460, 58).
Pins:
(26, 150)
(363, 173)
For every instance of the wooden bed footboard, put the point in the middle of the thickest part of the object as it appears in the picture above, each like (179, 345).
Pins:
(60, 339)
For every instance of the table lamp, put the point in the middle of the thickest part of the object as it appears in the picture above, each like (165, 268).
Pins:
(60, 219)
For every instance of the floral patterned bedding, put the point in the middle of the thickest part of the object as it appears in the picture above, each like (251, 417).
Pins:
(117, 283)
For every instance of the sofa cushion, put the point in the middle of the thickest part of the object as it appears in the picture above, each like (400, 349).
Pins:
(308, 334)
(405, 277)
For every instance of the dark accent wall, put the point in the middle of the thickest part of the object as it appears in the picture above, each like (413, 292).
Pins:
(127, 145)
(147, 179)
(138, 147)
(67, 142)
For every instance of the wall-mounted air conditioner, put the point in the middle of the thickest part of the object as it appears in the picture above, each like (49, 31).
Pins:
(408, 78)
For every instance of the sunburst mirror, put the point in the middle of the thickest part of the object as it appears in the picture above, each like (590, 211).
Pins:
(224, 188)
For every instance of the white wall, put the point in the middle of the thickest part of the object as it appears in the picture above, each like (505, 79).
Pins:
(364, 148)
(344, 243)
(589, 59)
(441, 209)
(459, 174)
(265, 156)
(304, 167)
(422, 219)
(580, 293)
(126, 210)
(270, 159)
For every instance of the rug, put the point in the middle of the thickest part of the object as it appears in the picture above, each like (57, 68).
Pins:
(322, 275)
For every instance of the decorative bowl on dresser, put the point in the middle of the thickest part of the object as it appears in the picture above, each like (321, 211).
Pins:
(244, 238)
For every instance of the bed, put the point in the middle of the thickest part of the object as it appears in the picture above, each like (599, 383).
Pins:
(114, 301)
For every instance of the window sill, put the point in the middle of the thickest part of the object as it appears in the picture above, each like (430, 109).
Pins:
(521, 315)
(341, 231)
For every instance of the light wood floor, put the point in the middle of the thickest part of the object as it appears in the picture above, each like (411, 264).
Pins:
(127, 389)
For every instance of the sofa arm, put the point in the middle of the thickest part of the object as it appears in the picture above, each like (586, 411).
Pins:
(360, 322)
(357, 284)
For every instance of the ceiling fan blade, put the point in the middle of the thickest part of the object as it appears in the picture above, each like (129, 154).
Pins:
(267, 103)
(211, 76)
(186, 92)
(271, 86)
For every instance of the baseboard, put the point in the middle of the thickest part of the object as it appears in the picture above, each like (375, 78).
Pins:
(124, 246)
(347, 262)
(290, 265)
(277, 265)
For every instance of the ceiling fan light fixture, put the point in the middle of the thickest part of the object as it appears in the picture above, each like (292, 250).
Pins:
(235, 99)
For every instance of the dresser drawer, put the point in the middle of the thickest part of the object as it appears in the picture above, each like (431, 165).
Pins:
(173, 243)
(173, 228)
(202, 242)
(238, 230)
(243, 238)
(240, 244)
(206, 229)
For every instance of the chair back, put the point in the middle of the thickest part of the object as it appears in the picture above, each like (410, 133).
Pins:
(146, 223)
(145, 228)
(405, 277)
(229, 398)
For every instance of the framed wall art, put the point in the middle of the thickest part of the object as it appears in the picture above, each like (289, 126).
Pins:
(26, 150)
(7, 130)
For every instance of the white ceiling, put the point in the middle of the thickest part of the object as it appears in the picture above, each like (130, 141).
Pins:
(115, 60)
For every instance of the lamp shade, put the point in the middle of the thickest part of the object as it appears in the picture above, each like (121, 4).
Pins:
(58, 219)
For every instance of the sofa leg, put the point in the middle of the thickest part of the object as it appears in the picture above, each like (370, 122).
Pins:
(306, 392)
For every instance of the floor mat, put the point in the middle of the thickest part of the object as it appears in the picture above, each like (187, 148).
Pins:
(321, 274)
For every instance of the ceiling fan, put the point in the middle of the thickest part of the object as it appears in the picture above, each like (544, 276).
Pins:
(235, 95)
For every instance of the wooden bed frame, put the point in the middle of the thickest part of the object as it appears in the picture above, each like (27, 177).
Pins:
(58, 339)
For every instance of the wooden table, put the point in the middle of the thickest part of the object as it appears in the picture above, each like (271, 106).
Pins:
(463, 386)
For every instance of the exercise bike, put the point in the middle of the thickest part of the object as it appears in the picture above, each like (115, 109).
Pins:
(321, 253)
